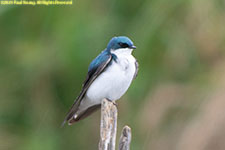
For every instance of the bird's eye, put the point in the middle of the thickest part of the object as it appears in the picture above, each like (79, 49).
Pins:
(123, 45)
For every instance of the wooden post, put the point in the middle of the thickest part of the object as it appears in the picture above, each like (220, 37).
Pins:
(108, 128)
(125, 138)
(108, 125)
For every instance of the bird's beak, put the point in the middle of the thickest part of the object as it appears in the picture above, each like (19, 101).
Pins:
(133, 47)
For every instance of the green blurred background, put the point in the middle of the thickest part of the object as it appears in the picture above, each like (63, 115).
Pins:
(177, 101)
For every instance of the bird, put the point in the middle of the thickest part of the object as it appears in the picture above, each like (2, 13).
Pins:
(109, 76)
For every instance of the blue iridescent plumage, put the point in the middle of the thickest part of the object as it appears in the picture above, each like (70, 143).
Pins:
(98, 60)
(115, 43)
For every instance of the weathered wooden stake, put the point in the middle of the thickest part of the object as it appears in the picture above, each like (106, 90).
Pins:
(108, 128)
(108, 125)
(125, 138)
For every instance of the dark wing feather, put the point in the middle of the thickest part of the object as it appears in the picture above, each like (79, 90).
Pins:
(137, 68)
(84, 114)
(97, 66)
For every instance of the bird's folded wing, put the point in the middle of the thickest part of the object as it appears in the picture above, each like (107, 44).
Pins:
(98, 65)
(136, 69)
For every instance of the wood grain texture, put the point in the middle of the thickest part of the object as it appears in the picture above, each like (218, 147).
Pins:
(125, 138)
(108, 125)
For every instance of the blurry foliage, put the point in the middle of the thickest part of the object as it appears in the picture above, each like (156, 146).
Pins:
(46, 50)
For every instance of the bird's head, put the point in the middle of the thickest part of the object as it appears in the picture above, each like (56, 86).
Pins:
(120, 42)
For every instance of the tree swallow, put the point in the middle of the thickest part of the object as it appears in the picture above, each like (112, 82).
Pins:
(109, 76)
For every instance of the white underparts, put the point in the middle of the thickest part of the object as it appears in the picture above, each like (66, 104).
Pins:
(113, 82)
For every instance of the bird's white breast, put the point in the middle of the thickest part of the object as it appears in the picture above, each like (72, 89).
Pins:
(114, 81)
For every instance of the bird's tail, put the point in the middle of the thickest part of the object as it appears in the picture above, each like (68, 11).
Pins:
(83, 114)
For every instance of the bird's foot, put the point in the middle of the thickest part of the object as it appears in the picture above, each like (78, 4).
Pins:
(114, 102)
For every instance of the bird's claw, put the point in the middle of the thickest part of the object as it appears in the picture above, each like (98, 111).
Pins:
(114, 103)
